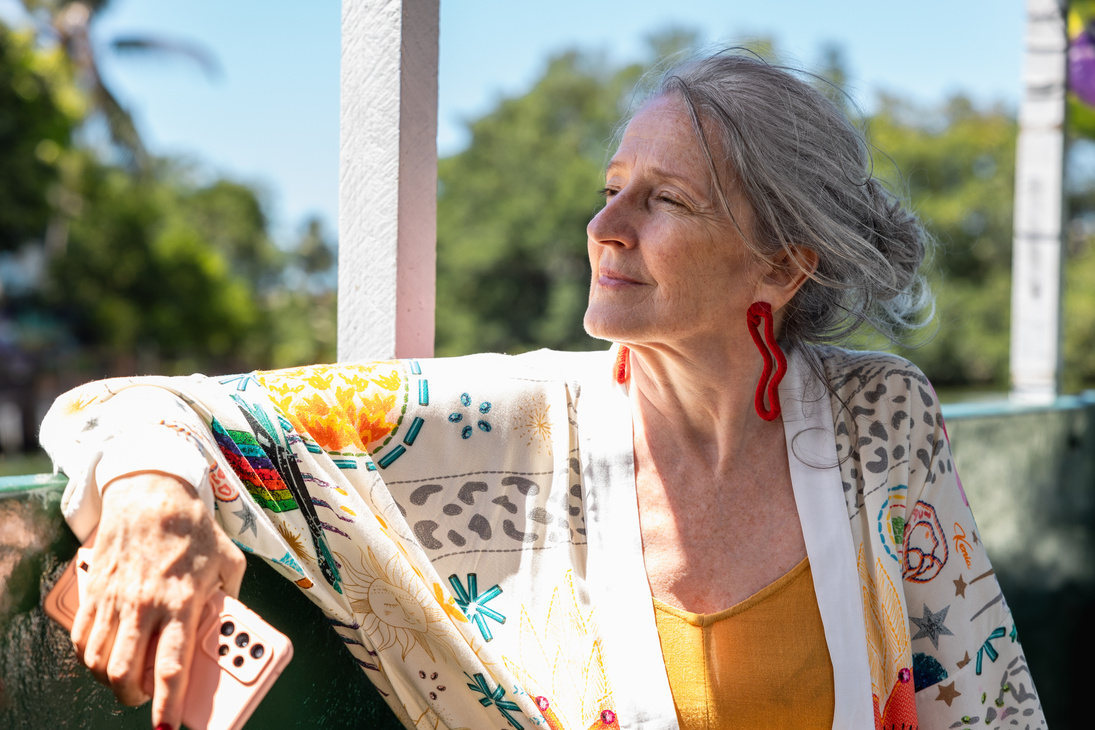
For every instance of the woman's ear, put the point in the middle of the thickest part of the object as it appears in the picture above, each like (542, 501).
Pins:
(790, 269)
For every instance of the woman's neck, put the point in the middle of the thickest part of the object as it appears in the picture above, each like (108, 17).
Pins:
(698, 404)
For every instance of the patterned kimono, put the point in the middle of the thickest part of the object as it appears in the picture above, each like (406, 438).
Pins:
(469, 527)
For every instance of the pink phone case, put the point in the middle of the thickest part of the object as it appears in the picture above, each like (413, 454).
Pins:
(236, 661)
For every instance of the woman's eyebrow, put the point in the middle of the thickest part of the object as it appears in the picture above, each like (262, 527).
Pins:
(660, 173)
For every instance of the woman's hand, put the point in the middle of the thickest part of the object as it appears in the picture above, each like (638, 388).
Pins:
(158, 557)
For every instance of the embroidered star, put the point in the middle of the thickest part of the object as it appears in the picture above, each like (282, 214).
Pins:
(931, 625)
(248, 519)
(947, 693)
(474, 604)
(965, 660)
(960, 586)
(241, 381)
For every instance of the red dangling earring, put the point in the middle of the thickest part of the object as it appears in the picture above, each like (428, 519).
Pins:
(768, 348)
(622, 367)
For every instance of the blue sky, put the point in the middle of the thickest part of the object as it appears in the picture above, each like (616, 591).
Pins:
(272, 117)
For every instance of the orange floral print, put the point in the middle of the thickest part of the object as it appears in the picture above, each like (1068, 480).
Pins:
(328, 426)
(318, 381)
(370, 419)
(388, 382)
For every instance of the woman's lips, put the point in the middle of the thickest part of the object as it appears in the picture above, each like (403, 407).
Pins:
(612, 279)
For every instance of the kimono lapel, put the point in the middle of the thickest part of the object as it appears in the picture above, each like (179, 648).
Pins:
(618, 584)
(819, 497)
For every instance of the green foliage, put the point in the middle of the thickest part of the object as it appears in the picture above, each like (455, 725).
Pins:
(185, 271)
(957, 165)
(1079, 319)
(145, 266)
(512, 270)
(35, 126)
(512, 210)
(140, 268)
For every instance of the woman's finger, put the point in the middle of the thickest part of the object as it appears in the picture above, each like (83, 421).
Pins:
(100, 639)
(232, 565)
(81, 627)
(174, 653)
(128, 658)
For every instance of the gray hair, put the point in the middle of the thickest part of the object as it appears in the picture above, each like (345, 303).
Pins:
(807, 174)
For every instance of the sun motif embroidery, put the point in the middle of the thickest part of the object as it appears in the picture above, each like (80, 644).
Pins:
(328, 426)
(534, 423)
(370, 419)
(295, 543)
(395, 606)
(78, 402)
(296, 546)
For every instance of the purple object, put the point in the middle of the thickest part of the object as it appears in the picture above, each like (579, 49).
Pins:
(1081, 66)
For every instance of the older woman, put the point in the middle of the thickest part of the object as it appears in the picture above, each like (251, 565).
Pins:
(669, 533)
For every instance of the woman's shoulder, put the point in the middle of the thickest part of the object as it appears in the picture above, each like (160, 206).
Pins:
(874, 379)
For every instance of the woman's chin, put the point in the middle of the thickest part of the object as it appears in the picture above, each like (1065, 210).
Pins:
(610, 326)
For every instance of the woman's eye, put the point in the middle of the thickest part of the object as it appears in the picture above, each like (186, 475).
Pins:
(671, 201)
(607, 192)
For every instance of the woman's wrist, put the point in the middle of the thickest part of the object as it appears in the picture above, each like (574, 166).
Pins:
(152, 449)
(147, 479)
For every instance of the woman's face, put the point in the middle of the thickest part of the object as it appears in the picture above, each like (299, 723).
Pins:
(669, 264)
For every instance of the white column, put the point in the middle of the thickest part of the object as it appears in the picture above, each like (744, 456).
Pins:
(1039, 212)
(387, 179)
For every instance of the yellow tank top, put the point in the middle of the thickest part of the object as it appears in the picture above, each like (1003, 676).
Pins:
(762, 663)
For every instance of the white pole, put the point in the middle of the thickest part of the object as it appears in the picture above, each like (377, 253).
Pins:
(387, 179)
(1039, 210)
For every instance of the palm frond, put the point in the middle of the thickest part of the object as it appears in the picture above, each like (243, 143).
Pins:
(122, 129)
(195, 52)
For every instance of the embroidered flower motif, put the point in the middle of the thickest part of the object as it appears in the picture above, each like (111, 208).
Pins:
(362, 410)
(482, 423)
(328, 426)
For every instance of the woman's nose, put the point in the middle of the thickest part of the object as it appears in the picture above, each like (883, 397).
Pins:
(613, 224)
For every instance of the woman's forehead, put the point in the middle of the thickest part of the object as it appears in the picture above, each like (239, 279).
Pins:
(662, 134)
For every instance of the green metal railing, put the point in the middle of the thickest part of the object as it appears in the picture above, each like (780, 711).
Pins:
(30, 482)
(42, 684)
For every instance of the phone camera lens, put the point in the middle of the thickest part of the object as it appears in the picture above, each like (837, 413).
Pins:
(238, 661)
(223, 649)
(227, 628)
(243, 639)
(257, 651)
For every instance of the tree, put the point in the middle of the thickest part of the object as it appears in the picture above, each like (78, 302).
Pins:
(512, 208)
(38, 110)
(512, 270)
(68, 23)
(160, 265)
(957, 164)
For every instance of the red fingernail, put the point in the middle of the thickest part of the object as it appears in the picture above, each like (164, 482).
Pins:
(164, 726)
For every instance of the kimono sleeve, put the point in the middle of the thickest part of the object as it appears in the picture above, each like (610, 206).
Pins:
(355, 481)
(968, 664)
(107, 429)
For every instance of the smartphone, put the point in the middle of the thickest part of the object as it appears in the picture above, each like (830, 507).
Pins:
(236, 661)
